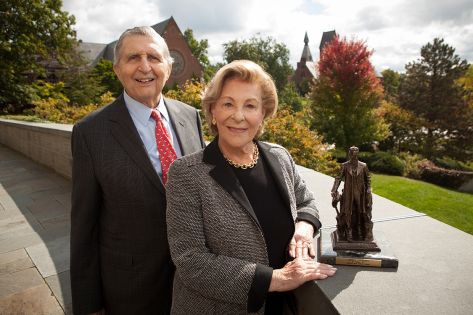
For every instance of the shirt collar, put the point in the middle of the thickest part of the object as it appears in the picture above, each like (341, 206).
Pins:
(141, 112)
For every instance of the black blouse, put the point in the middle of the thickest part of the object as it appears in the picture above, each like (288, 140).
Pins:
(274, 218)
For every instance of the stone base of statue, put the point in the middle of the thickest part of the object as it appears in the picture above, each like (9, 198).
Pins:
(359, 245)
(383, 257)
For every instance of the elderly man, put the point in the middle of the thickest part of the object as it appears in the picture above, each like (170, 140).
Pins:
(120, 261)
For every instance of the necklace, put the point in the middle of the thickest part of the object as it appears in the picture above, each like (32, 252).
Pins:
(252, 164)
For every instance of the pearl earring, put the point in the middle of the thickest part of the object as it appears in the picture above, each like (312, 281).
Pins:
(214, 121)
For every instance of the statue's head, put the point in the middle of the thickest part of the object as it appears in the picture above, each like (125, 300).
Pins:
(353, 153)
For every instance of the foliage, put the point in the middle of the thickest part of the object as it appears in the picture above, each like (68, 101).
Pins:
(43, 90)
(290, 99)
(306, 147)
(386, 163)
(199, 49)
(411, 164)
(444, 177)
(345, 95)
(430, 91)
(269, 54)
(103, 72)
(58, 110)
(390, 80)
(466, 82)
(189, 93)
(451, 164)
(451, 207)
(404, 128)
(32, 33)
(29, 118)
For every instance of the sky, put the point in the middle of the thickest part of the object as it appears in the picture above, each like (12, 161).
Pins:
(395, 30)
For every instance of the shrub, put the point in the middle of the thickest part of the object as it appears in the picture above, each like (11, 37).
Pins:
(306, 146)
(190, 93)
(386, 163)
(451, 164)
(411, 164)
(444, 177)
(58, 110)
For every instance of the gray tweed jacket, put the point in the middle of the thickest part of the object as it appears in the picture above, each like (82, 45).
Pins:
(214, 236)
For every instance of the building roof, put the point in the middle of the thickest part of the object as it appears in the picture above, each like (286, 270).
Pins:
(311, 66)
(94, 51)
(326, 38)
(306, 51)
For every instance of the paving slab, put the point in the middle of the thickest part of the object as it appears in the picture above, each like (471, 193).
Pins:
(11, 283)
(37, 300)
(50, 257)
(14, 261)
(60, 284)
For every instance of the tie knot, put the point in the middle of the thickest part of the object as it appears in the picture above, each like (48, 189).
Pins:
(156, 115)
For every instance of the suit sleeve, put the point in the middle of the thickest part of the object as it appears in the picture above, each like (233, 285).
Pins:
(217, 277)
(86, 203)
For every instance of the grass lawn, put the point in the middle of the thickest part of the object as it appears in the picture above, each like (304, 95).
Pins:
(449, 206)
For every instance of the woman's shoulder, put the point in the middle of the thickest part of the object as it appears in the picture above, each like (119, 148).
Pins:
(275, 149)
(189, 160)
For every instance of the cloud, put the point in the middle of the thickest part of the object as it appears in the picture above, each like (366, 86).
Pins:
(395, 30)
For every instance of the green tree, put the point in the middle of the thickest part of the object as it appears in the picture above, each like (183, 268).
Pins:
(269, 54)
(345, 95)
(466, 82)
(199, 49)
(103, 72)
(430, 91)
(31, 33)
(390, 80)
(290, 99)
(404, 128)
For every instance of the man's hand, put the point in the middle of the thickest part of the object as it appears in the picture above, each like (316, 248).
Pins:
(301, 244)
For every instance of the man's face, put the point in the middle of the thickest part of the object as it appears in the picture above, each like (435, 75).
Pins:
(353, 155)
(142, 69)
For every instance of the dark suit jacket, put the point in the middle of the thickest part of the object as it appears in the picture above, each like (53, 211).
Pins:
(119, 251)
(215, 238)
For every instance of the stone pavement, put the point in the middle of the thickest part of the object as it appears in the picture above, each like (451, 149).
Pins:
(34, 237)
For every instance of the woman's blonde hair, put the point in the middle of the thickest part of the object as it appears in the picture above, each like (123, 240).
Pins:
(247, 71)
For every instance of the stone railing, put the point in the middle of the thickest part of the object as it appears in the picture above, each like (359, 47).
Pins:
(48, 144)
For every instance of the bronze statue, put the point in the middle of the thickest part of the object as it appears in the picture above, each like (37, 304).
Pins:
(354, 223)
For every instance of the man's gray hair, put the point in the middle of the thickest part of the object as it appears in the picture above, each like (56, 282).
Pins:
(142, 31)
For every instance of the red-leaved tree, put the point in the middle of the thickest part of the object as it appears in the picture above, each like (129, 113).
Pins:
(345, 95)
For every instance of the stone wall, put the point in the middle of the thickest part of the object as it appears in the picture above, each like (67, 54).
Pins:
(47, 144)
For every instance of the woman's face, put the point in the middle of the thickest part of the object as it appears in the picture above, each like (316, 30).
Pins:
(238, 113)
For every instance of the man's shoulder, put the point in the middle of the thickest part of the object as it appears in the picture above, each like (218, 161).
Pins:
(182, 106)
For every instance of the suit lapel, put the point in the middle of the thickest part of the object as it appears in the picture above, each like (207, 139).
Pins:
(179, 125)
(124, 131)
(276, 170)
(223, 175)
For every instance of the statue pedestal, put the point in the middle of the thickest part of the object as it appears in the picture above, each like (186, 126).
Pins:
(339, 244)
(383, 257)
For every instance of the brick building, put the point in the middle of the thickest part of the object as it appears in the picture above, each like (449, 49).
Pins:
(307, 68)
(185, 66)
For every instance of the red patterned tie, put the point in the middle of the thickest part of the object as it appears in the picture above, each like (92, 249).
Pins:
(166, 152)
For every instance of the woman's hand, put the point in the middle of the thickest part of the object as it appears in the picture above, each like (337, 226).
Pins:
(297, 272)
(301, 244)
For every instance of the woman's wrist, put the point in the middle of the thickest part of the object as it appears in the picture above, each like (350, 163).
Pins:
(276, 281)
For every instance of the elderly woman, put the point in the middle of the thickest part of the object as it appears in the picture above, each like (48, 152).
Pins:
(236, 209)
